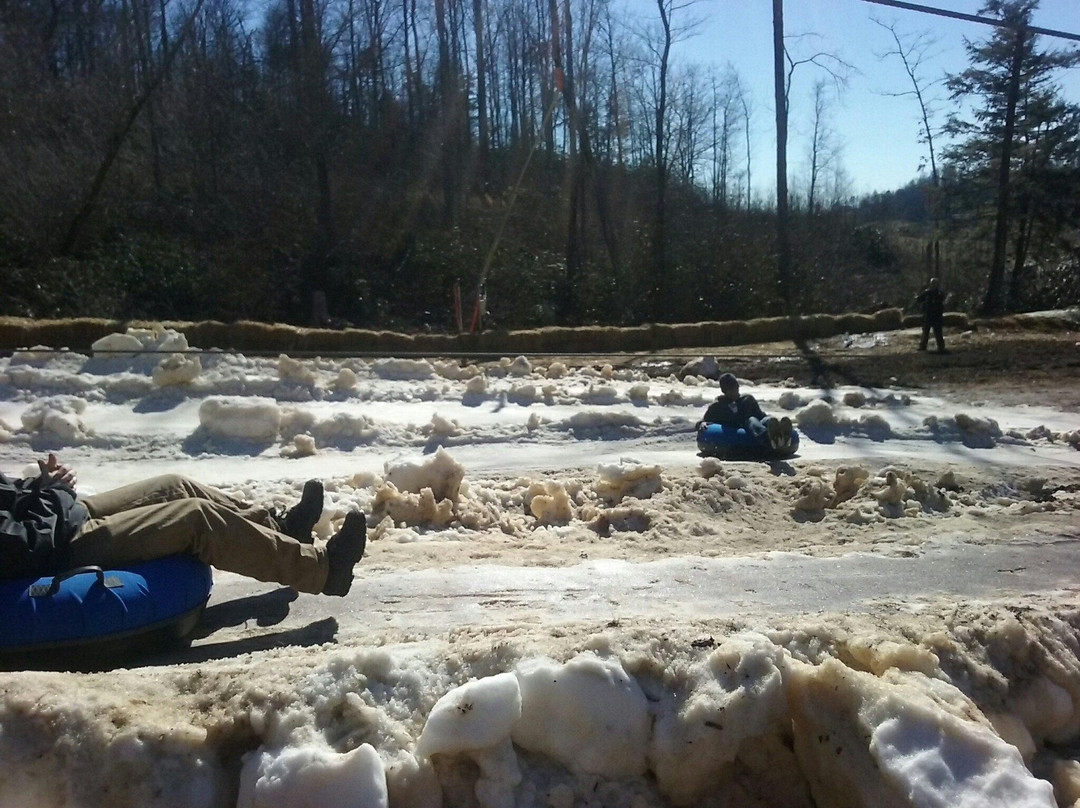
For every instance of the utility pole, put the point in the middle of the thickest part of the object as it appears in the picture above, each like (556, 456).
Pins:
(783, 236)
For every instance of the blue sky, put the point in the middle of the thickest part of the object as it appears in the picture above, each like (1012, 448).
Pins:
(879, 133)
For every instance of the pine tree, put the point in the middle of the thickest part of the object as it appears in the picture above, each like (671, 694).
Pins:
(1020, 140)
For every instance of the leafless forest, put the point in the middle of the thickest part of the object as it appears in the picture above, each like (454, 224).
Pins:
(215, 159)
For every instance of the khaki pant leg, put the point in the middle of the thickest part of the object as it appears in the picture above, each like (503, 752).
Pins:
(215, 533)
(167, 488)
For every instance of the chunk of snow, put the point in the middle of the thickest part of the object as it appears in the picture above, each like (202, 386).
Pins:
(790, 400)
(117, 343)
(556, 370)
(638, 392)
(818, 413)
(477, 385)
(519, 367)
(627, 478)
(479, 714)
(313, 777)
(588, 715)
(250, 418)
(177, 369)
(406, 369)
(441, 473)
(346, 379)
(703, 366)
(442, 427)
(294, 370)
(855, 398)
(59, 418)
(549, 502)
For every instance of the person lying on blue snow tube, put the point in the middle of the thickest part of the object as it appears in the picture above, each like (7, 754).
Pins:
(45, 530)
(735, 411)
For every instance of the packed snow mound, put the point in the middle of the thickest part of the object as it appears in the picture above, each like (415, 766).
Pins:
(733, 706)
(402, 369)
(587, 714)
(58, 418)
(790, 400)
(519, 367)
(892, 741)
(974, 431)
(405, 509)
(818, 413)
(556, 370)
(456, 372)
(854, 398)
(440, 473)
(178, 369)
(313, 777)
(593, 421)
(442, 427)
(346, 379)
(248, 418)
(628, 478)
(136, 340)
(477, 715)
(705, 367)
(295, 371)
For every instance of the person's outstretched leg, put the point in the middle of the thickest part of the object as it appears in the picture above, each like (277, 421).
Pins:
(925, 335)
(213, 532)
(156, 490)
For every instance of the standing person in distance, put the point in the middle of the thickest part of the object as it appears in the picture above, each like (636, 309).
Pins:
(932, 300)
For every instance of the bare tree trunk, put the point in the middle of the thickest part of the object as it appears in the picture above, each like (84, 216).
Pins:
(481, 85)
(660, 279)
(119, 136)
(783, 236)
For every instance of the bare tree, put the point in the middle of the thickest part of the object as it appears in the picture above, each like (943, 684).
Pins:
(823, 147)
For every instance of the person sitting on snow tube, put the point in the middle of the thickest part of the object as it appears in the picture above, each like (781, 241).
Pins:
(743, 412)
(45, 530)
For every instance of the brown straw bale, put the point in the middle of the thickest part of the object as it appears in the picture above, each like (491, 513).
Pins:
(78, 333)
(689, 335)
(912, 321)
(819, 326)
(855, 323)
(956, 319)
(888, 319)
(15, 332)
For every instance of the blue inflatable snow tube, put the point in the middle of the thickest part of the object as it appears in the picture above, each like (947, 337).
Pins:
(90, 605)
(717, 440)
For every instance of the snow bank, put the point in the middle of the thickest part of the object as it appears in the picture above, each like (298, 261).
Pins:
(136, 340)
(313, 777)
(975, 431)
(249, 418)
(440, 473)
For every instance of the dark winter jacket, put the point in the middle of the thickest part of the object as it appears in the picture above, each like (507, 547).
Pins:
(37, 522)
(933, 301)
(733, 413)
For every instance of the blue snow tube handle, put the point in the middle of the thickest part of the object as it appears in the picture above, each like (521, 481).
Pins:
(85, 605)
(717, 440)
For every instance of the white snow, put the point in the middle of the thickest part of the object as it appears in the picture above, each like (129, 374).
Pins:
(544, 688)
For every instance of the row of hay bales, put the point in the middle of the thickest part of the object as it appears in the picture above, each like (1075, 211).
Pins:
(80, 333)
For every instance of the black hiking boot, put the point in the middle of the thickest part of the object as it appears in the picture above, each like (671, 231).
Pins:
(343, 552)
(785, 432)
(301, 518)
(775, 434)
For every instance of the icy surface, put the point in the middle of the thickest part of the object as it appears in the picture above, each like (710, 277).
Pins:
(561, 603)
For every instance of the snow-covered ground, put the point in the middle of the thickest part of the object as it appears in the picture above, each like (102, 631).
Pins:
(562, 604)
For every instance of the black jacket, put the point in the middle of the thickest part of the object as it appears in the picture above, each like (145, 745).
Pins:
(933, 302)
(733, 413)
(37, 522)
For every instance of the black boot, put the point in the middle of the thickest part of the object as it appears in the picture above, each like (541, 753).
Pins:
(343, 552)
(301, 518)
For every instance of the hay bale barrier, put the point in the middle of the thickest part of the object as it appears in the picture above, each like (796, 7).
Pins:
(78, 334)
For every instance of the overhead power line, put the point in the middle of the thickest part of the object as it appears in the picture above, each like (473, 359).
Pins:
(959, 15)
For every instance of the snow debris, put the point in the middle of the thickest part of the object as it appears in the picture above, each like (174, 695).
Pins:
(524, 394)
(313, 777)
(406, 508)
(855, 398)
(477, 385)
(303, 446)
(346, 379)
(818, 413)
(249, 418)
(591, 421)
(974, 431)
(621, 519)
(556, 370)
(519, 367)
(638, 392)
(455, 372)
(534, 421)
(790, 400)
(549, 502)
(847, 483)
(440, 473)
(704, 366)
(6, 431)
(587, 714)
(341, 428)
(58, 418)
(710, 467)
(814, 495)
(294, 370)
(117, 343)
(177, 369)
(602, 395)
(404, 369)
(607, 372)
(443, 427)
(627, 478)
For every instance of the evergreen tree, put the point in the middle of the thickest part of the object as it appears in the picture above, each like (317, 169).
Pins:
(1018, 147)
